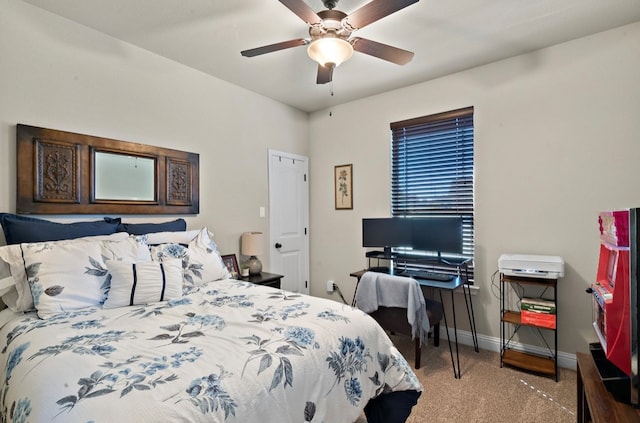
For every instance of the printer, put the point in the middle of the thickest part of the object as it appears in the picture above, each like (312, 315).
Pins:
(532, 266)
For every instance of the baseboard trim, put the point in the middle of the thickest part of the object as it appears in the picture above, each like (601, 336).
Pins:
(565, 360)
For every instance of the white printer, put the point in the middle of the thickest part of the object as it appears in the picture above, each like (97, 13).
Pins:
(546, 267)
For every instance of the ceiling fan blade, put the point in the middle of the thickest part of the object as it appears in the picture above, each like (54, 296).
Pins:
(381, 51)
(325, 74)
(375, 10)
(274, 47)
(303, 11)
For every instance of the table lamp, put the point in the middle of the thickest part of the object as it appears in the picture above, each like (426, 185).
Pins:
(252, 246)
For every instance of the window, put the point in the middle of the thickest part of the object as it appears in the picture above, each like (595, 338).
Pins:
(432, 171)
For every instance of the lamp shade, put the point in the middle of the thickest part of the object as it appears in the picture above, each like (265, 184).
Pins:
(330, 50)
(251, 243)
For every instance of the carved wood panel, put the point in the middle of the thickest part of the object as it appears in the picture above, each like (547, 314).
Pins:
(178, 182)
(57, 170)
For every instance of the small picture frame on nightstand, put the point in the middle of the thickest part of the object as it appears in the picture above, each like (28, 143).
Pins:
(231, 263)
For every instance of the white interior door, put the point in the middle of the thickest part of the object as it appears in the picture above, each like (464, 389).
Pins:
(289, 219)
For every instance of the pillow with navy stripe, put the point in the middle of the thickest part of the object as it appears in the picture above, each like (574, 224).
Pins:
(143, 282)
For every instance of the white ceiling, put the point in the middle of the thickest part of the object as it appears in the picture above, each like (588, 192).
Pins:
(446, 36)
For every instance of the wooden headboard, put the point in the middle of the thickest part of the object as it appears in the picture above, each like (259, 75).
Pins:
(56, 175)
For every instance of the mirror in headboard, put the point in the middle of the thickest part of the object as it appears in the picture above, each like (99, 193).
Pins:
(118, 176)
(67, 173)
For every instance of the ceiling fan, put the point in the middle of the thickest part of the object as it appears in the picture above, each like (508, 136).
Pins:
(330, 41)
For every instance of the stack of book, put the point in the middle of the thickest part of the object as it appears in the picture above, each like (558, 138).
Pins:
(538, 312)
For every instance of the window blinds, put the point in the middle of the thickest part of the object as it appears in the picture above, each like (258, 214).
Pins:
(432, 169)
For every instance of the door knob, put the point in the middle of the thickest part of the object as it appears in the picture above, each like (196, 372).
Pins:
(278, 245)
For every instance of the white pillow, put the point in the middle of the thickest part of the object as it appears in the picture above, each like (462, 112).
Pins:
(143, 282)
(129, 249)
(19, 298)
(201, 261)
(7, 283)
(6, 280)
(66, 276)
(178, 237)
(71, 275)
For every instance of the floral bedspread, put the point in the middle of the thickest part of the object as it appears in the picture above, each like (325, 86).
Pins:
(228, 351)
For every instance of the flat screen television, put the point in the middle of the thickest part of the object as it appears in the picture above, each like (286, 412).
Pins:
(436, 234)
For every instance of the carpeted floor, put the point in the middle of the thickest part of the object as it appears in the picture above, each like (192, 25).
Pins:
(486, 392)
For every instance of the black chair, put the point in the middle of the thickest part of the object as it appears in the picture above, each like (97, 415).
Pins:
(394, 320)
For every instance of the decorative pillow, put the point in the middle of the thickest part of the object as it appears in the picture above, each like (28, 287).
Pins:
(18, 298)
(179, 237)
(128, 249)
(117, 246)
(8, 291)
(201, 261)
(144, 282)
(15, 293)
(147, 228)
(18, 229)
(66, 276)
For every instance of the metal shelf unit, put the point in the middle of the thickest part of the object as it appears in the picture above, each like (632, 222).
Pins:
(511, 323)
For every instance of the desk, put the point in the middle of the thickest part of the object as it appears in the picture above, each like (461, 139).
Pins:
(450, 286)
(595, 402)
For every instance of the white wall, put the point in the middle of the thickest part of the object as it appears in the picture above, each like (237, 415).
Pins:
(57, 74)
(556, 135)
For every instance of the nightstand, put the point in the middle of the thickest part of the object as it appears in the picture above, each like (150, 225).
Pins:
(264, 278)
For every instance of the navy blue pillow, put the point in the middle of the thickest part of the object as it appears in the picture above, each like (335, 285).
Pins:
(18, 229)
(177, 225)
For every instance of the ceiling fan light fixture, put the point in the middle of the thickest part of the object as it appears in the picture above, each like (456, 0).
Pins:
(330, 50)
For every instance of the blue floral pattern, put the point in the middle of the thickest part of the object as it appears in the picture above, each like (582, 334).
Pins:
(208, 394)
(17, 411)
(348, 363)
(201, 357)
(201, 261)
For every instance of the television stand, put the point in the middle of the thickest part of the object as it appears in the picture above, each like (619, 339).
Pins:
(595, 403)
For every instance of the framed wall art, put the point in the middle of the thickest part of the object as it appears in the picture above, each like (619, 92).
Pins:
(343, 176)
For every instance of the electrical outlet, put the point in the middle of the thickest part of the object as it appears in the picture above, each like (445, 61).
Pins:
(329, 286)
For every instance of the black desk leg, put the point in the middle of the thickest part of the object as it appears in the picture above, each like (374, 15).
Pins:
(471, 315)
(353, 300)
(456, 369)
(455, 332)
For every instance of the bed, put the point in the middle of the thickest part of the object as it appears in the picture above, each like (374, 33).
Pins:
(123, 329)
